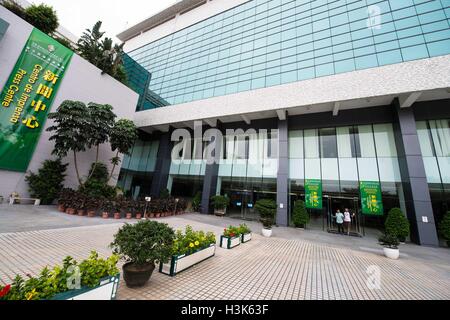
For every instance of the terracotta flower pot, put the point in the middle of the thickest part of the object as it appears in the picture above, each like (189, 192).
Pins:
(129, 215)
(71, 211)
(68, 210)
(61, 208)
(157, 215)
(152, 215)
(105, 215)
(117, 215)
(138, 216)
(81, 212)
(91, 213)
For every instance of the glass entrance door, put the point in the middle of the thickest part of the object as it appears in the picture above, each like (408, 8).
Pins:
(242, 205)
(342, 204)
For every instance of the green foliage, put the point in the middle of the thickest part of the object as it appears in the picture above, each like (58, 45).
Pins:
(96, 186)
(123, 136)
(444, 226)
(231, 232)
(220, 202)
(101, 124)
(164, 193)
(71, 127)
(300, 216)
(54, 281)
(42, 17)
(144, 242)
(191, 241)
(48, 182)
(389, 240)
(102, 53)
(197, 201)
(64, 42)
(14, 7)
(267, 209)
(397, 224)
(244, 229)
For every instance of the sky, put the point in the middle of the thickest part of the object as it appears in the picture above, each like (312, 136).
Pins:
(116, 15)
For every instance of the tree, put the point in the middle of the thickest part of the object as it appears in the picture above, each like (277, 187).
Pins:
(71, 129)
(300, 216)
(42, 17)
(267, 209)
(102, 122)
(14, 7)
(48, 182)
(102, 52)
(122, 138)
(396, 224)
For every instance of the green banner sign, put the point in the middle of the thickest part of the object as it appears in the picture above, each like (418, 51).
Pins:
(27, 98)
(313, 194)
(371, 201)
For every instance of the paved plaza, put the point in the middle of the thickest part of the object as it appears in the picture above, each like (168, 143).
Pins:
(294, 264)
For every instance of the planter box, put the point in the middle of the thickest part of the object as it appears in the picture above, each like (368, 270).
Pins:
(229, 242)
(183, 262)
(246, 237)
(107, 290)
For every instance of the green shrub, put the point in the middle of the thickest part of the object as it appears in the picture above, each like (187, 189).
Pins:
(42, 17)
(164, 193)
(397, 224)
(389, 240)
(220, 202)
(300, 216)
(144, 242)
(54, 281)
(267, 209)
(444, 226)
(96, 186)
(48, 182)
(244, 229)
(197, 201)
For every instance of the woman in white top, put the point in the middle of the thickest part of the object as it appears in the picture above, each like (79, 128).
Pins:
(347, 220)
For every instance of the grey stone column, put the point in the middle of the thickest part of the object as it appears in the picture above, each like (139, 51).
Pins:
(283, 174)
(211, 175)
(414, 179)
(163, 162)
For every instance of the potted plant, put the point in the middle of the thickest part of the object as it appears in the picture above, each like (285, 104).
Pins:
(107, 206)
(444, 228)
(98, 280)
(80, 205)
(245, 232)
(117, 207)
(220, 204)
(91, 205)
(267, 209)
(128, 206)
(189, 248)
(390, 243)
(197, 201)
(142, 245)
(137, 209)
(397, 224)
(300, 216)
(231, 238)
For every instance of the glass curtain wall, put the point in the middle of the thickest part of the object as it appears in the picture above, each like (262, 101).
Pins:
(248, 170)
(187, 172)
(342, 157)
(136, 175)
(434, 138)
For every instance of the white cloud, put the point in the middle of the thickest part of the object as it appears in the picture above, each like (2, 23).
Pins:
(116, 15)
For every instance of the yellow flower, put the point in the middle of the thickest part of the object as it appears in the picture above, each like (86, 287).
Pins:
(31, 294)
(197, 243)
(191, 245)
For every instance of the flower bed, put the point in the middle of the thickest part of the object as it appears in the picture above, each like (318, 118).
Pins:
(96, 279)
(231, 238)
(189, 248)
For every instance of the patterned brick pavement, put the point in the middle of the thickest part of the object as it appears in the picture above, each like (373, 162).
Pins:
(264, 268)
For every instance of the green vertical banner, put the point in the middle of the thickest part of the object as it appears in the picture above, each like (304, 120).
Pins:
(27, 98)
(371, 200)
(313, 194)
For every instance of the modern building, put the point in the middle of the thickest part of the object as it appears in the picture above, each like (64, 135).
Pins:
(346, 92)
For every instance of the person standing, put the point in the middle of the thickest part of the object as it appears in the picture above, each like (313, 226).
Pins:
(340, 221)
(347, 220)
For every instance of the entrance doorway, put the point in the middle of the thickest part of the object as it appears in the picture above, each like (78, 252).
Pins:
(242, 203)
(342, 204)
